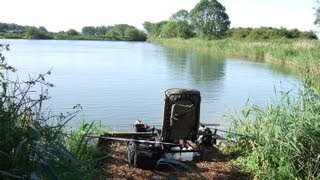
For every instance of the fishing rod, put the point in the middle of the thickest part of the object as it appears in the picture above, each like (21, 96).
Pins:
(133, 140)
(229, 132)
(214, 129)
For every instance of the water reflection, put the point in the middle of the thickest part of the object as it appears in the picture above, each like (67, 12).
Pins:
(200, 67)
(118, 82)
(225, 84)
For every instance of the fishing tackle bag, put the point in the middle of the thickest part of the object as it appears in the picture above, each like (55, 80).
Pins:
(206, 139)
(144, 156)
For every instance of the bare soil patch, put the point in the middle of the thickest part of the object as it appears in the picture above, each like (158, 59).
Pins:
(214, 165)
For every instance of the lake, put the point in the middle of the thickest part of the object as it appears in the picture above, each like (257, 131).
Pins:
(119, 82)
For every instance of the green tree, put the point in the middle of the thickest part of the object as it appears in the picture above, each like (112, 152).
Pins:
(4, 27)
(112, 34)
(239, 33)
(121, 28)
(181, 15)
(169, 30)
(317, 14)
(210, 19)
(184, 29)
(133, 34)
(149, 27)
(154, 29)
(88, 30)
(308, 35)
(43, 29)
(72, 32)
(293, 33)
(178, 26)
(34, 33)
(142, 36)
(101, 30)
(12, 28)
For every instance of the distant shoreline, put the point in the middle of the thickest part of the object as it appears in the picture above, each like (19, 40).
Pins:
(75, 37)
(118, 32)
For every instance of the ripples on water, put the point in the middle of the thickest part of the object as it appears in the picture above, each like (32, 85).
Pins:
(119, 82)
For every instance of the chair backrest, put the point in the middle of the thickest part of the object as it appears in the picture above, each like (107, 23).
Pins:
(181, 115)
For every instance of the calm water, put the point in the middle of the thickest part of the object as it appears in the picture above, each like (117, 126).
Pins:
(119, 82)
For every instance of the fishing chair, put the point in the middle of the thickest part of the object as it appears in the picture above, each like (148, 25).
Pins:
(181, 120)
(178, 134)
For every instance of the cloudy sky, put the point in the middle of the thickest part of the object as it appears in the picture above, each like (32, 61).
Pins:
(58, 15)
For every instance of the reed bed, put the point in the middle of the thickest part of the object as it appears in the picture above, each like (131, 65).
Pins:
(285, 138)
(296, 54)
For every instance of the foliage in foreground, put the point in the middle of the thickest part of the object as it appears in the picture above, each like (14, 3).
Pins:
(33, 145)
(285, 141)
(83, 148)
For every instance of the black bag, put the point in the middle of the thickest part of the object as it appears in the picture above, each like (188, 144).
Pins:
(144, 156)
(206, 139)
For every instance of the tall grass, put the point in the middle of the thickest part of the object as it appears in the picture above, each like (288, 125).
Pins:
(82, 147)
(298, 54)
(33, 144)
(286, 138)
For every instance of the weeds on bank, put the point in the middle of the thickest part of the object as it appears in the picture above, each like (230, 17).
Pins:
(33, 144)
(286, 137)
(296, 54)
(84, 148)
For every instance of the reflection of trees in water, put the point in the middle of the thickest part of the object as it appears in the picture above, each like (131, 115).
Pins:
(205, 68)
(281, 70)
(201, 67)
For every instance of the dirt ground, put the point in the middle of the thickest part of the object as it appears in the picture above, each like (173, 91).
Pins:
(214, 165)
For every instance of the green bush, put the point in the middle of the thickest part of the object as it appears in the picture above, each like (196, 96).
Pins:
(266, 33)
(239, 33)
(133, 34)
(34, 33)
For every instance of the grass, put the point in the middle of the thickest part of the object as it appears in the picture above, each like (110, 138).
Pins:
(34, 144)
(82, 147)
(286, 142)
(296, 54)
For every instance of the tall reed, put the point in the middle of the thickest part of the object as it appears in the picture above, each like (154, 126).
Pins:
(286, 138)
(297, 54)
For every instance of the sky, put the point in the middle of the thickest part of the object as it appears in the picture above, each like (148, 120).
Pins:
(57, 15)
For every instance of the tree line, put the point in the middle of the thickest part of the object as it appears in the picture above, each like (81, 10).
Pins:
(209, 20)
(116, 32)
